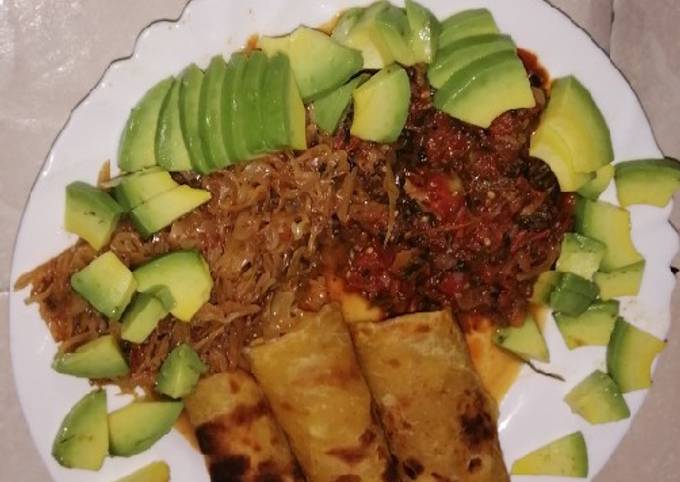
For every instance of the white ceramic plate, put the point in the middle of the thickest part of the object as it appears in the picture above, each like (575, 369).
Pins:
(533, 412)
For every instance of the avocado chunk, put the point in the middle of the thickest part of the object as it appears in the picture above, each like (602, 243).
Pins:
(96, 359)
(596, 186)
(153, 472)
(320, 64)
(364, 36)
(463, 52)
(233, 108)
(486, 88)
(392, 25)
(91, 213)
(610, 225)
(171, 151)
(630, 355)
(346, 23)
(592, 327)
(381, 105)
(140, 186)
(252, 90)
(467, 23)
(624, 281)
(525, 341)
(146, 311)
(107, 284)
(82, 441)
(283, 113)
(647, 181)
(565, 457)
(185, 274)
(180, 372)
(424, 29)
(573, 294)
(543, 286)
(597, 399)
(580, 255)
(138, 425)
(138, 141)
(329, 110)
(160, 211)
(210, 114)
(189, 115)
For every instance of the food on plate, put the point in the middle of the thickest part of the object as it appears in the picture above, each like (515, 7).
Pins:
(171, 151)
(189, 114)
(140, 424)
(423, 32)
(153, 472)
(134, 189)
(468, 23)
(91, 213)
(237, 431)
(525, 341)
(624, 281)
(592, 327)
(647, 181)
(580, 255)
(144, 314)
(317, 391)
(598, 399)
(596, 186)
(439, 421)
(565, 457)
(100, 358)
(573, 294)
(329, 110)
(180, 372)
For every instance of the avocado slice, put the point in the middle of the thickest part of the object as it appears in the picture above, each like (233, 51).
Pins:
(381, 105)
(463, 52)
(543, 286)
(624, 281)
(160, 211)
(189, 115)
(171, 151)
(140, 186)
(185, 274)
(91, 213)
(598, 399)
(467, 23)
(107, 284)
(82, 441)
(138, 425)
(329, 110)
(596, 186)
(486, 88)
(525, 341)
(392, 25)
(180, 372)
(630, 355)
(233, 108)
(251, 92)
(320, 64)
(210, 114)
(580, 255)
(364, 37)
(96, 359)
(611, 225)
(274, 106)
(647, 181)
(565, 457)
(153, 472)
(146, 311)
(424, 29)
(346, 23)
(573, 294)
(592, 327)
(138, 142)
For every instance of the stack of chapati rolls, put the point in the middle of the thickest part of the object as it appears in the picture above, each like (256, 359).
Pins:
(396, 400)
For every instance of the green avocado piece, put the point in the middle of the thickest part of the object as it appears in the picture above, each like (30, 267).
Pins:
(107, 284)
(251, 93)
(82, 441)
(346, 23)
(573, 294)
(647, 181)
(233, 108)
(598, 399)
(138, 425)
(463, 52)
(467, 23)
(630, 355)
(153, 472)
(274, 106)
(329, 110)
(486, 88)
(91, 213)
(142, 317)
(543, 286)
(364, 37)
(171, 151)
(138, 142)
(624, 281)
(96, 359)
(392, 25)
(138, 187)
(565, 457)
(611, 225)
(592, 327)
(580, 255)
(160, 211)
(381, 105)
(210, 114)
(189, 115)
(525, 341)
(185, 274)
(424, 29)
(320, 64)
(180, 372)
(596, 186)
